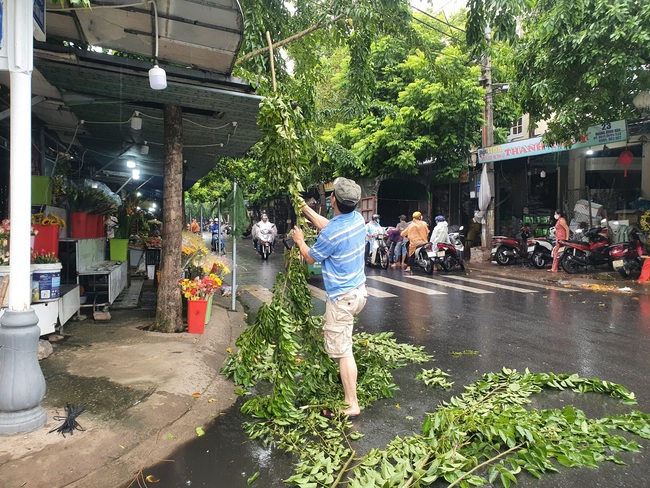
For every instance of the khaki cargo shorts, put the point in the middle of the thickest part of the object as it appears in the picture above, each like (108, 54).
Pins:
(338, 322)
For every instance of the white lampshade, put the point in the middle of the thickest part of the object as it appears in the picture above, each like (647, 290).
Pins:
(144, 149)
(157, 78)
(136, 123)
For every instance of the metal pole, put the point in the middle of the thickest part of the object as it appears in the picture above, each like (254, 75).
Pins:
(488, 136)
(234, 246)
(219, 221)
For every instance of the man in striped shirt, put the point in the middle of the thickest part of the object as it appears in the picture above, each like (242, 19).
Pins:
(340, 249)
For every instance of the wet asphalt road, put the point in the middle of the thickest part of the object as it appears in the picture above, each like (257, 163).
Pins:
(513, 325)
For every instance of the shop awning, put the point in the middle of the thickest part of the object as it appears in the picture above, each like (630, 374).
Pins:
(88, 98)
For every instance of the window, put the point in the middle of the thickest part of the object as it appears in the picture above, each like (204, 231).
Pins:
(517, 127)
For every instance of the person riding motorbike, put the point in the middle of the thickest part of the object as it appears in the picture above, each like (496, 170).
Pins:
(373, 229)
(440, 233)
(217, 237)
(417, 233)
(263, 225)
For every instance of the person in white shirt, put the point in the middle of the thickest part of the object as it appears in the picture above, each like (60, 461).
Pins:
(263, 225)
(373, 228)
(440, 233)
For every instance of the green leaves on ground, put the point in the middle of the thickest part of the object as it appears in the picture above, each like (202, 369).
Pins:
(487, 433)
(435, 377)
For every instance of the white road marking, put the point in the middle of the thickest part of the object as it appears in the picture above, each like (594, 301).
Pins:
(450, 285)
(375, 292)
(536, 285)
(408, 286)
(493, 285)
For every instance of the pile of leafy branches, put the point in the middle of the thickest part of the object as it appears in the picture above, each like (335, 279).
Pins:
(487, 433)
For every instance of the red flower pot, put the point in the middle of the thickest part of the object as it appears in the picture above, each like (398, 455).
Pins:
(47, 239)
(196, 316)
(78, 225)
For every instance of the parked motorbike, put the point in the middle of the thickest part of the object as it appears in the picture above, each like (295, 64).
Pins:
(537, 250)
(592, 250)
(378, 252)
(454, 253)
(265, 243)
(507, 250)
(540, 250)
(626, 256)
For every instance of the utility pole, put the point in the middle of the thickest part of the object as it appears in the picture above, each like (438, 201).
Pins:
(488, 134)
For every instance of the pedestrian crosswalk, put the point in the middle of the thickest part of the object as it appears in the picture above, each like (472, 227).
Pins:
(456, 286)
(490, 284)
(431, 286)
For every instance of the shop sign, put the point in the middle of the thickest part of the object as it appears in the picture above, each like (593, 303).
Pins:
(600, 134)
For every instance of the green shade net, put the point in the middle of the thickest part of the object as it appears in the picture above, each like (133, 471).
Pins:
(235, 207)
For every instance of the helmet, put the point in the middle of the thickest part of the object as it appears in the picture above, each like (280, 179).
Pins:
(440, 218)
(417, 215)
(376, 217)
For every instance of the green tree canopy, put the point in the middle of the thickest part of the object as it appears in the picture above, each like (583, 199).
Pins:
(576, 63)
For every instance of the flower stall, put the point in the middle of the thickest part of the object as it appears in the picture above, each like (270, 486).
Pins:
(52, 302)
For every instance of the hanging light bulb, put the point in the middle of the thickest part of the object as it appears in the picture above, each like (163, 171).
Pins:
(542, 174)
(136, 174)
(157, 75)
(130, 164)
(144, 149)
(157, 78)
(136, 121)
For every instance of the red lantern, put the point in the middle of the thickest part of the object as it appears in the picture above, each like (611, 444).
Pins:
(625, 159)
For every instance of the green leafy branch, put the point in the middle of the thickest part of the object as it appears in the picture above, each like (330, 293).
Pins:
(435, 377)
(487, 433)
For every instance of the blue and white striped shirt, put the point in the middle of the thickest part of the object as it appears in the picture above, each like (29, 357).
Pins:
(340, 248)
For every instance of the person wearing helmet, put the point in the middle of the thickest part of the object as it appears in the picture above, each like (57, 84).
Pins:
(373, 229)
(263, 225)
(440, 233)
(417, 233)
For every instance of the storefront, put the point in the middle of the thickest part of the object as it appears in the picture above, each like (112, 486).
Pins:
(533, 179)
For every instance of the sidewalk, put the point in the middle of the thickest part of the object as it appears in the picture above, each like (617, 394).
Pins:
(600, 279)
(139, 389)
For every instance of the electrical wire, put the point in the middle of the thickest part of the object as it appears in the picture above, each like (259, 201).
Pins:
(436, 18)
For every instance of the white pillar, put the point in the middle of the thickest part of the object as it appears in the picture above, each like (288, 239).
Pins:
(22, 385)
(20, 51)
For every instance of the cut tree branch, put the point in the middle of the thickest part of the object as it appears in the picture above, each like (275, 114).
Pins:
(300, 35)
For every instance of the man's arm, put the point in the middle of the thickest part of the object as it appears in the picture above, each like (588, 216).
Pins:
(299, 238)
(318, 220)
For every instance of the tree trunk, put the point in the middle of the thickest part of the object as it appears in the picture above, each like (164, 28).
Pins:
(168, 309)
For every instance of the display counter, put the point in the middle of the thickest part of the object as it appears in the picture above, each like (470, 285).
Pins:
(84, 263)
(51, 313)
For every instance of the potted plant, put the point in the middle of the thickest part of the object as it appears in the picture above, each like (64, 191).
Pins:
(128, 214)
(197, 292)
(46, 229)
